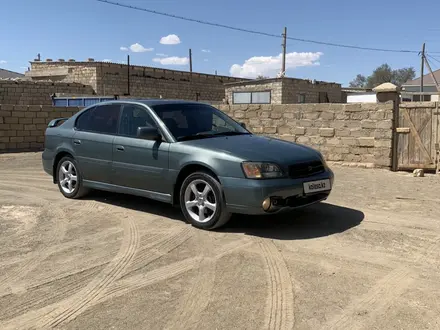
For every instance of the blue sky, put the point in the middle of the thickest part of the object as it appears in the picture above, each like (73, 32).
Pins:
(86, 28)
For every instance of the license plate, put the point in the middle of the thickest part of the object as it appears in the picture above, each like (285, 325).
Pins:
(316, 186)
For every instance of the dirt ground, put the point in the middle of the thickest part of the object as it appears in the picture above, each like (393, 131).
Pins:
(368, 258)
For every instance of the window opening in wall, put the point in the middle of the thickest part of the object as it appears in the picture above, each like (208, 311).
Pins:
(263, 97)
(302, 98)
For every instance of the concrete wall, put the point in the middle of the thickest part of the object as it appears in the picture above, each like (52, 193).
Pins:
(22, 92)
(274, 86)
(362, 98)
(348, 133)
(294, 87)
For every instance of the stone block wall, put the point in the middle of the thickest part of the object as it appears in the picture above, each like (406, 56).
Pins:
(22, 127)
(23, 92)
(346, 133)
(275, 86)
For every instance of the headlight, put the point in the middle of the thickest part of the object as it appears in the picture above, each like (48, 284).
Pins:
(259, 170)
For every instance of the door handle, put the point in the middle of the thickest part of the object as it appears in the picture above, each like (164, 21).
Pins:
(120, 148)
(77, 142)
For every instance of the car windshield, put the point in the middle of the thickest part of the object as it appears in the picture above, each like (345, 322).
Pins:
(197, 121)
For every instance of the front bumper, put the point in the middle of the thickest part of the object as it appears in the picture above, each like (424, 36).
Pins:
(246, 196)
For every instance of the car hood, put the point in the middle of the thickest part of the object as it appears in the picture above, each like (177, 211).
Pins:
(258, 148)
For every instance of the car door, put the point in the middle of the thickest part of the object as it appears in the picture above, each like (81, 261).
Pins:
(138, 163)
(95, 131)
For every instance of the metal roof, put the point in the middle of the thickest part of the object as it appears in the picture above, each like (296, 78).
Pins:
(4, 74)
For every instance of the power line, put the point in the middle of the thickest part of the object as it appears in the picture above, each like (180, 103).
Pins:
(433, 58)
(258, 32)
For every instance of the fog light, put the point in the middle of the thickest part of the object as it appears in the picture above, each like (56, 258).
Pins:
(266, 204)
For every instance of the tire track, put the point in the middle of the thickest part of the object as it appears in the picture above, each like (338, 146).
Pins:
(379, 297)
(280, 303)
(15, 275)
(199, 295)
(55, 295)
(134, 282)
(95, 288)
(55, 314)
(157, 248)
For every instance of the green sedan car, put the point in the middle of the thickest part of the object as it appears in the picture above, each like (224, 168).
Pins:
(184, 153)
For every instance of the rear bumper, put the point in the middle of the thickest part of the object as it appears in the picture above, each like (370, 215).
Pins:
(47, 160)
(246, 196)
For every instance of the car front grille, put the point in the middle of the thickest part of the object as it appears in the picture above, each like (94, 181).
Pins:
(303, 170)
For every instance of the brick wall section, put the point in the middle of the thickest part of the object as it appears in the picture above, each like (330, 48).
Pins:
(287, 90)
(275, 87)
(111, 78)
(23, 92)
(294, 87)
(346, 133)
(22, 127)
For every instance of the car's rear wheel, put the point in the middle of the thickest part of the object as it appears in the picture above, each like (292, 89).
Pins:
(69, 178)
(202, 201)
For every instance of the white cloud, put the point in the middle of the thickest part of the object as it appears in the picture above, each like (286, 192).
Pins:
(138, 48)
(161, 55)
(170, 39)
(106, 60)
(173, 60)
(3, 62)
(271, 65)
(206, 51)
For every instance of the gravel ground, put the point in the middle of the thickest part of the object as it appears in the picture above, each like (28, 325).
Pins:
(366, 259)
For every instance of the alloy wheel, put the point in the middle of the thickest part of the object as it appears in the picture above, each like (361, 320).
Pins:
(68, 177)
(200, 201)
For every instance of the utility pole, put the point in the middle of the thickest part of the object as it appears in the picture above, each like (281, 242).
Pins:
(421, 72)
(432, 75)
(190, 61)
(128, 74)
(283, 67)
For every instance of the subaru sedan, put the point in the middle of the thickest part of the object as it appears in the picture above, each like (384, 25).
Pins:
(187, 154)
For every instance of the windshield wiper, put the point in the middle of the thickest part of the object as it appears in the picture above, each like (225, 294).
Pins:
(202, 135)
(194, 137)
(231, 133)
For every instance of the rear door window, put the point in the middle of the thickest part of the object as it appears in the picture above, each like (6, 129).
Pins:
(101, 119)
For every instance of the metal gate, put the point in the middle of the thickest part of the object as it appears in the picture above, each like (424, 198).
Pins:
(418, 136)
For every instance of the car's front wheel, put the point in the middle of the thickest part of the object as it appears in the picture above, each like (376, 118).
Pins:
(69, 178)
(202, 201)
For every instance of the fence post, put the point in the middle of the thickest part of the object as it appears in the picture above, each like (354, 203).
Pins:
(384, 93)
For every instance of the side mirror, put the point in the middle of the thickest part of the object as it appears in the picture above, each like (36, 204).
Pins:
(243, 125)
(148, 133)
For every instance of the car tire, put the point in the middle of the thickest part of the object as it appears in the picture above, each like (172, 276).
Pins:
(67, 168)
(214, 213)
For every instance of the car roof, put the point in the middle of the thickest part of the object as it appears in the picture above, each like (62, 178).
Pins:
(153, 102)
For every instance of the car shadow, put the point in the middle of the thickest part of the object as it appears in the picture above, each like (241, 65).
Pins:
(136, 203)
(318, 220)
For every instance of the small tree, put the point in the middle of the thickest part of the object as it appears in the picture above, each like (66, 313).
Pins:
(383, 74)
(260, 76)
